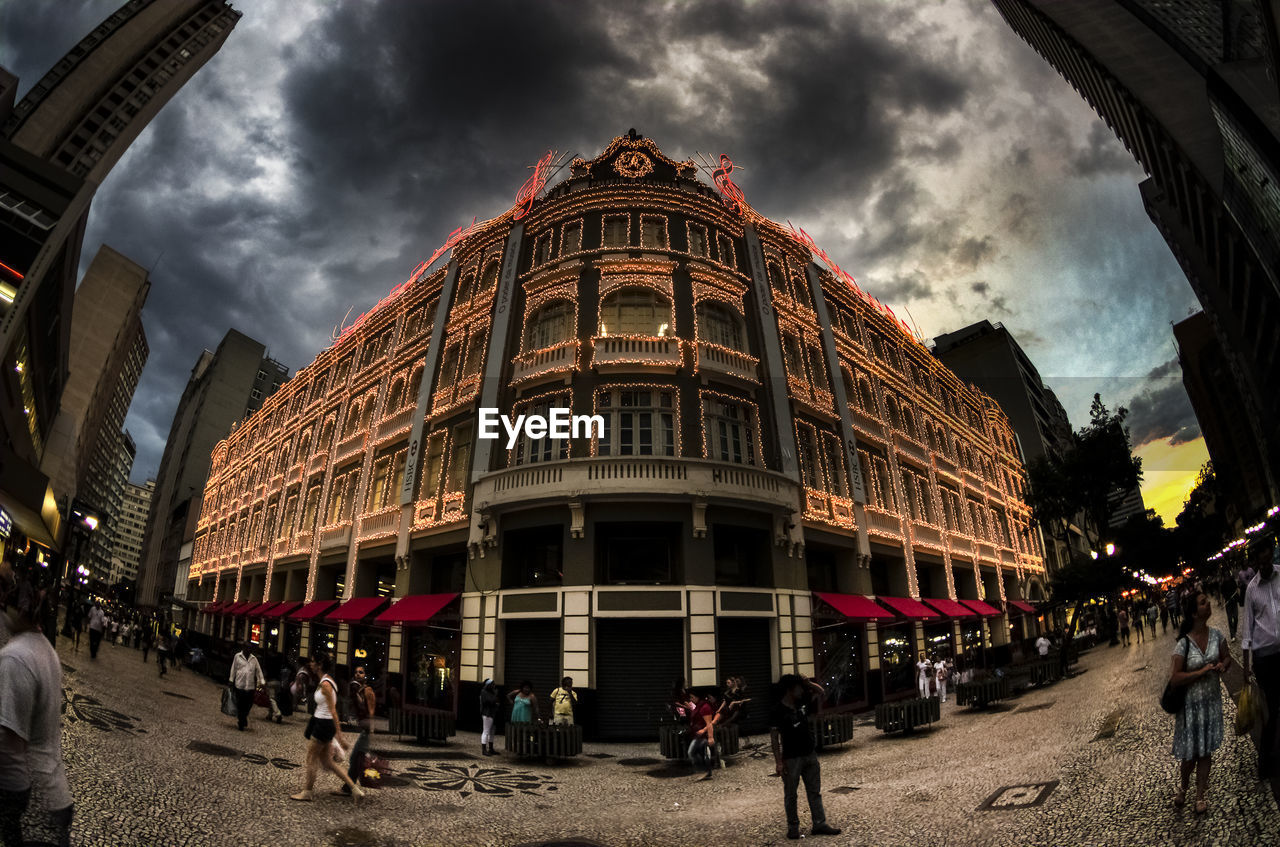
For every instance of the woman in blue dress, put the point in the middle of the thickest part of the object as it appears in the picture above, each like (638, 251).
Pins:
(524, 703)
(1199, 658)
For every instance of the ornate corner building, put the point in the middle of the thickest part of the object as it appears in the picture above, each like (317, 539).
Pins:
(772, 450)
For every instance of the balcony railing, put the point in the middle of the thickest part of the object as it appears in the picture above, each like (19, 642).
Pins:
(987, 552)
(712, 358)
(866, 423)
(338, 535)
(295, 474)
(424, 514)
(822, 506)
(959, 544)
(547, 363)
(318, 462)
(302, 542)
(925, 534)
(629, 351)
(630, 477)
(282, 546)
(382, 523)
(883, 523)
(453, 503)
(277, 482)
(349, 447)
(945, 465)
(400, 422)
(911, 447)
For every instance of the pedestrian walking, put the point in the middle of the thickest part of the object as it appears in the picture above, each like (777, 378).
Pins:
(702, 733)
(1164, 619)
(1122, 620)
(1042, 646)
(148, 639)
(563, 701)
(322, 730)
(1137, 624)
(30, 712)
(925, 670)
(1231, 602)
(1199, 658)
(733, 702)
(524, 703)
(97, 627)
(1153, 614)
(363, 703)
(163, 647)
(1260, 645)
(488, 713)
(794, 753)
(245, 678)
(941, 674)
(75, 611)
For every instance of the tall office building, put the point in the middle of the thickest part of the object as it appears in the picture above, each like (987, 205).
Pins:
(56, 145)
(130, 528)
(1219, 409)
(226, 386)
(988, 356)
(1191, 88)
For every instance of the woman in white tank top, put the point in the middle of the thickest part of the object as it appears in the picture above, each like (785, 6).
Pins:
(323, 728)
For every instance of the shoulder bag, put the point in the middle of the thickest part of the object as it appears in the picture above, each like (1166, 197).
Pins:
(1174, 698)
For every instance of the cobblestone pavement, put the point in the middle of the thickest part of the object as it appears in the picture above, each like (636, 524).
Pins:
(153, 762)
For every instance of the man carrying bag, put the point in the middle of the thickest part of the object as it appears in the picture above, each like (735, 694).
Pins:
(246, 678)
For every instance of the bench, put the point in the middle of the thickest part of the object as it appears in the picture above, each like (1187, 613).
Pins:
(422, 723)
(983, 692)
(1045, 671)
(674, 744)
(829, 730)
(544, 741)
(906, 715)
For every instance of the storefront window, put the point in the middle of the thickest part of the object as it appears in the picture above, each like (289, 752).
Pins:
(939, 640)
(324, 638)
(431, 663)
(971, 634)
(839, 650)
(897, 658)
(369, 650)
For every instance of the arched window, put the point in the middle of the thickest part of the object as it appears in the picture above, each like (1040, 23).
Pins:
(719, 324)
(800, 290)
(489, 278)
(635, 311)
(551, 324)
(776, 280)
(465, 287)
(353, 418)
(326, 435)
(868, 398)
(395, 396)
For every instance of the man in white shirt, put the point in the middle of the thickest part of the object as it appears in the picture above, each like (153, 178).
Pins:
(1042, 646)
(1260, 646)
(30, 713)
(246, 678)
(97, 625)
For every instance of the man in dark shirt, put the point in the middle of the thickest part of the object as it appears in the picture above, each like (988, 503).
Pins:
(793, 753)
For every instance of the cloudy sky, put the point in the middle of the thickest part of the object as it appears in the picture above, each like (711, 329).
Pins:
(330, 147)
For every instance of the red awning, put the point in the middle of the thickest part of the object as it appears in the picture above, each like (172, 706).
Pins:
(1026, 608)
(416, 608)
(256, 610)
(314, 609)
(237, 609)
(951, 608)
(910, 609)
(356, 609)
(281, 609)
(213, 608)
(982, 608)
(855, 607)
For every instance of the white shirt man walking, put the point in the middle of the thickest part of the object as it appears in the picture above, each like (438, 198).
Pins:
(1261, 648)
(246, 678)
(97, 626)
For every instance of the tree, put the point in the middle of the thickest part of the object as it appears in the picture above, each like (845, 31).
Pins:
(1201, 527)
(1076, 485)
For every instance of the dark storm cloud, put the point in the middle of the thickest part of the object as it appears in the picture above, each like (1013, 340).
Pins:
(1101, 155)
(1162, 411)
(327, 149)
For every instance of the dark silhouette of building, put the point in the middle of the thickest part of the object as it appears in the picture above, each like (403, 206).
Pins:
(1216, 399)
(226, 386)
(57, 144)
(1191, 88)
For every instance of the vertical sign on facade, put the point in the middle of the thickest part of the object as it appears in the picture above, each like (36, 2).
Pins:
(426, 385)
(773, 363)
(495, 359)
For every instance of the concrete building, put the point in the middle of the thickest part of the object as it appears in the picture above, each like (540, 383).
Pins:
(108, 352)
(771, 450)
(1192, 88)
(1218, 405)
(988, 356)
(226, 386)
(56, 146)
(130, 528)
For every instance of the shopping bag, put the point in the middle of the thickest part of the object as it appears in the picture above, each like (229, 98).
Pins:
(261, 698)
(1246, 709)
(339, 752)
(373, 770)
(228, 703)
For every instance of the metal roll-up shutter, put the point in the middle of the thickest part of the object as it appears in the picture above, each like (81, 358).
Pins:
(637, 660)
(532, 652)
(742, 649)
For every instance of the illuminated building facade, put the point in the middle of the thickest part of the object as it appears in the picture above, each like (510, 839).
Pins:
(775, 451)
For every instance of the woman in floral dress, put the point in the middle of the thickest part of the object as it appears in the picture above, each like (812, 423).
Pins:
(1199, 657)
